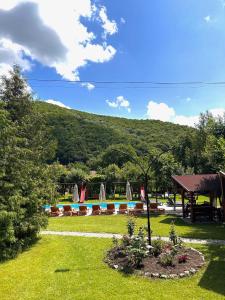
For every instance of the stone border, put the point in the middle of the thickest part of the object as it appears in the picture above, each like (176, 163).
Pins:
(186, 273)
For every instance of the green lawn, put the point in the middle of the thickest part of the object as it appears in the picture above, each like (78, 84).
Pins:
(117, 224)
(68, 199)
(71, 268)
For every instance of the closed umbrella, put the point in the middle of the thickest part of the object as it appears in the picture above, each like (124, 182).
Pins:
(75, 196)
(128, 192)
(102, 192)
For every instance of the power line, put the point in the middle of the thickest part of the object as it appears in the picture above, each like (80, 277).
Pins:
(122, 87)
(129, 82)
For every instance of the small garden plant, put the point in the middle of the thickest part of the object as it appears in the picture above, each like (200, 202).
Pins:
(162, 258)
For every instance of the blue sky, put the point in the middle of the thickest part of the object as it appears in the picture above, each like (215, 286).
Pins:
(146, 40)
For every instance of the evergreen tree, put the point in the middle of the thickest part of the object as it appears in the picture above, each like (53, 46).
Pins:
(24, 182)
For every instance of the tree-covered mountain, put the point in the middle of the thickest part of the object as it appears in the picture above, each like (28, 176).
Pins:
(83, 136)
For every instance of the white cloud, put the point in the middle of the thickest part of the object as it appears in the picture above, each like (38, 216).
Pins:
(207, 19)
(122, 20)
(88, 85)
(53, 34)
(11, 54)
(217, 112)
(110, 27)
(58, 103)
(161, 111)
(186, 120)
(119, 102)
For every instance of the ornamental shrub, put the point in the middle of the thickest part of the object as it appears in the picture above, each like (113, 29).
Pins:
(130, 227)
(166, 259)
(182, 258)
(172, 234)
(157, 247)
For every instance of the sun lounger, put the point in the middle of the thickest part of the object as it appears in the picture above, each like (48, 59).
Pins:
(154, 208)
(82, 210)
(110, 209)
(67, 210)
(122, 209)
(96, 210)
(55, 211)
(75, 212)
(138, 209)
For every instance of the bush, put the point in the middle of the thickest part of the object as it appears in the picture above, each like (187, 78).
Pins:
(166, 259)
(182, 258)
(172, 234)
(130, 227)
(174, 237)
(137, 249)
(157, 247)
(130, 251)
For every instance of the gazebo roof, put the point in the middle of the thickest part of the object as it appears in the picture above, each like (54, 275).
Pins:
(202, 183)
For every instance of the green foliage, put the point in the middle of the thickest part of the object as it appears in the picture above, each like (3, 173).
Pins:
(76, 175)
(14, 96)
(93, 140)
(132, 249)
(112, 173)
(166, 259)
(24, 175)
(172, 234)
(203, 150)
(137, 249)
(157, 247)
(164, 167)
(85, 137)
(130, 227)
(130, 171)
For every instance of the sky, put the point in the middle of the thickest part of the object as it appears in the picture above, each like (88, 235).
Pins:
(108, 57)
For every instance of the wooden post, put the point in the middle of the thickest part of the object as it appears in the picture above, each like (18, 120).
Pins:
(192, 210)
(174, 201)
(222, 195)
(182, 198)
(223, 206)
(212, 198)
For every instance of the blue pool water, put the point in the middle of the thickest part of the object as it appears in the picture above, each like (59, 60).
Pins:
(103, 205)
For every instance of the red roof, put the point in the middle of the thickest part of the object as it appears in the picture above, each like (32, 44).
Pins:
(199, 183)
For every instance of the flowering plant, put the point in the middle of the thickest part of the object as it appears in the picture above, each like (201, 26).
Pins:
(182, 258)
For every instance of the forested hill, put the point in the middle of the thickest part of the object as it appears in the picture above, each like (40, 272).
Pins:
(83, 136)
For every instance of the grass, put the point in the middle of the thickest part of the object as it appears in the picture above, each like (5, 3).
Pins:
(68, 199)
(117, 224)
(72, 268)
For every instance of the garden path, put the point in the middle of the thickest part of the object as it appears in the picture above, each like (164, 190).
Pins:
(110, 235)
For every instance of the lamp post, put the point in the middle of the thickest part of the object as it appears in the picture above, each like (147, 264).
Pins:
(145, 175)
(148, 209)
(145, 171)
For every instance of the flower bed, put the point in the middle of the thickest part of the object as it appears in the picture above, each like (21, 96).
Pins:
(168, 260)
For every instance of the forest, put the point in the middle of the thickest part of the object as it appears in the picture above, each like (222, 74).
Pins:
(112, 146)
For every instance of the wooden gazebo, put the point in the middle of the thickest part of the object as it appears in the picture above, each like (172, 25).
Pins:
(191, 185)
(222, 184)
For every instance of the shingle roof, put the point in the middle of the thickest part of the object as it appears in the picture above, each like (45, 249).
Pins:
(201, 183)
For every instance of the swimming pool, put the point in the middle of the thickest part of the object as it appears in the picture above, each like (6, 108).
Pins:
(103, 205)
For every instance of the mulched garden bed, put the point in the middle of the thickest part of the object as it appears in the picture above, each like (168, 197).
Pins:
(152, 268)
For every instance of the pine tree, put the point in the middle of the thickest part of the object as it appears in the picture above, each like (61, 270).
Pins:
(24, 182)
